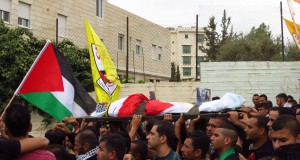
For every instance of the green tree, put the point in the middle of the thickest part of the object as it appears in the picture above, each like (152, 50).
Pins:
(225, 24)
(292, 52)
(257, 45)
(178, 74)
(173, 72)
(212, 40)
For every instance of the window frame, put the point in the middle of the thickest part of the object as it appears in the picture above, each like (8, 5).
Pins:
(185, 73)
(99, 8)
(186, 50)
(121, 42)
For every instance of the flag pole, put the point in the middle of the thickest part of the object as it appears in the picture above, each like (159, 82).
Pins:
(24, 79)
(12, 98)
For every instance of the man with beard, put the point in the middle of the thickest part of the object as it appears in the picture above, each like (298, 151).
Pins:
(162, 141)
(85, 145)
(257, 134)
(195, 146)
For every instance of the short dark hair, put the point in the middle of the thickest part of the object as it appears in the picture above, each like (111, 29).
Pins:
(141, 148)
(287, 152)
(283, 96)
(200, 140)
(284, 110)
(255, 95)
(264, 105)
(289, 122)
(17, 120)
(228, 130)
(265, 96)
(127, 138)
(55, 136)
(87, 136)
(60, 152)
(115, 142)
(262, 122)
(165, 128)
(291, 97)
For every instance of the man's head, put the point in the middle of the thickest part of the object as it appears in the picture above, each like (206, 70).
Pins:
(224, 138)
(285, 130)
(263, 109)
(256, 128)
(214, 122)
(195, 146)
(263, 98)
(17, 121)
(55, 136)
(275, 112)
(162, 133)
(255, 99)
(85, 141)
(138, 149)
(287, 152)
(297, 107)
(281, 99)
(111, 147)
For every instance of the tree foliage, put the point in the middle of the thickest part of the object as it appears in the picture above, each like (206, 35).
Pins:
(257, 45)
(224, 30)
(173, 72)
(212, 40)
(18, 50)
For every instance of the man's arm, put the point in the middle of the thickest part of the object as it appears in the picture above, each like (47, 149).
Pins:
(31, 144)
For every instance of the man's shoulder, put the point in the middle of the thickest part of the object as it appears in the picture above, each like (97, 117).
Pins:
(38, 154)
(233, 157)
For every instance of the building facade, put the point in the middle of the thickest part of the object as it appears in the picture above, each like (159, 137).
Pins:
(147, 44)
(183, 51)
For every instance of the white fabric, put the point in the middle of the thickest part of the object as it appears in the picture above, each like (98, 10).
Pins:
(178, 107)
(228, 101)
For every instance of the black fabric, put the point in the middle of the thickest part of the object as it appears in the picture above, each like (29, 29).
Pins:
(9, 149)
(263, 151)
(233, 157)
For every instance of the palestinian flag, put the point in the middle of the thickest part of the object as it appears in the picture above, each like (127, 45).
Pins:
(51, 86)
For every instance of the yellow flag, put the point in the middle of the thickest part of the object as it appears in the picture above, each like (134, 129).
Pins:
(290, 25)
(105, 77)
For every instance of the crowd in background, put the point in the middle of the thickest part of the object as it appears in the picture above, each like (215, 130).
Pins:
(263, 131)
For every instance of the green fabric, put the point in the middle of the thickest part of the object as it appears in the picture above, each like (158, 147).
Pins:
(47, 102)
(226, 154)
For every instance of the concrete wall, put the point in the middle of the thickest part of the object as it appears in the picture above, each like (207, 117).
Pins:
(243, 78)
(248, 78)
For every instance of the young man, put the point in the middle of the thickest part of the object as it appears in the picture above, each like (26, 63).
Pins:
(282, 100)
(111, 147)
(17, 127)
(255, 100)
(223, 141)
(263, 98)
(85, 145)
(285, 130)
(257, 134)
(162, 140)
(138, 150)
(264, 109)
(275, 112)
(195, 146)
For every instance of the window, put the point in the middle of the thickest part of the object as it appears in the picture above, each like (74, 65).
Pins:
(62, 25)
(186, 60)
(99, 8)
(186, 36)
(4, 16)
(138, 47)
(24, 14)
(121, 42)
(153, 51)
(4, 10)
(200, 59)
(186, 49)
(200, 38)
(159, 53)
(186, 71)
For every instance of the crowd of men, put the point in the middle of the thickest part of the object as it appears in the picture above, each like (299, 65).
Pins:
(264, 131)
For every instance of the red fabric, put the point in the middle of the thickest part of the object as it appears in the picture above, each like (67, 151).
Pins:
(131, 104)
(155, 107)
(45, 75)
